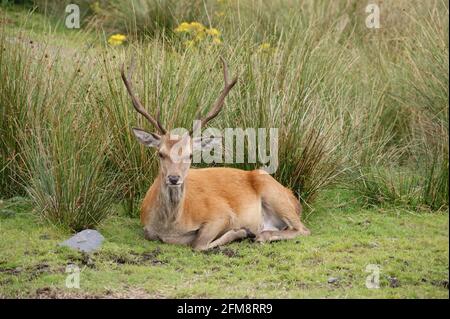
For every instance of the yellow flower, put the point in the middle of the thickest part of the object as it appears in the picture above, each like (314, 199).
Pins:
(213, 31)
(183, 27)
(264, 46)
(197, 33)
(197, 26)
(116, 39)
(119, 37)
(200, 36)
(219, 14)
(194, 27)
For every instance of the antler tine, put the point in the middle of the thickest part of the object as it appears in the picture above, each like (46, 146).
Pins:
(136, 103)
(221, 99)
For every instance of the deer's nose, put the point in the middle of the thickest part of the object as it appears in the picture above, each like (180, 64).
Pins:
(173, 179)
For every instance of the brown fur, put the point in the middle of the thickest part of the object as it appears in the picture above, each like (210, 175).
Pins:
(215, 201)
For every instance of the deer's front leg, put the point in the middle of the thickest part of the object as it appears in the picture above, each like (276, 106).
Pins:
(228, 237)
(208, 235)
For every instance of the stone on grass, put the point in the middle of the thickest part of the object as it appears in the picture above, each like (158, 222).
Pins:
(86, 241)
(333, 280)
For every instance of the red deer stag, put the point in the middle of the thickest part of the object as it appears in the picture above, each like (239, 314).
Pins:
(209, 207)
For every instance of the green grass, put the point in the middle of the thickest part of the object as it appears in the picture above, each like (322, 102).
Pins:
(27, 24)
(412, 247)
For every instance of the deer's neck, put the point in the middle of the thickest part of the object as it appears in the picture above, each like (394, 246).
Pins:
(170, 201)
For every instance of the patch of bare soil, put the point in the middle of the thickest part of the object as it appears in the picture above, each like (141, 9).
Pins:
(32, 272)
(134, 258)
(222, 250)
(440, 283)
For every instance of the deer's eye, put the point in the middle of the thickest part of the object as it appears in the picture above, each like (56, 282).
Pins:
(161, 155)
(191, 156)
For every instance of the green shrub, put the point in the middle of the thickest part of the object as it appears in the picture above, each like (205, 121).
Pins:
(66, 166)
(51, 140)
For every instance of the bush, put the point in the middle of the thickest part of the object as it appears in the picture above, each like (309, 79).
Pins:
(66, 168)
(51, 139)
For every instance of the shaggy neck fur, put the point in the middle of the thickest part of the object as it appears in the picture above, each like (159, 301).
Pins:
(170, 201)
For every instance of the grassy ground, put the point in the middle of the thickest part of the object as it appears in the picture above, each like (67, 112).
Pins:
(17, 20)
(411, 250)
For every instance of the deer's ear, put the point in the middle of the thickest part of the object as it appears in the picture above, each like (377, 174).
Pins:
(206, 143)
(148, 139)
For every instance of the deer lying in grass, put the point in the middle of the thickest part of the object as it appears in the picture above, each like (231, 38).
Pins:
(210, 207)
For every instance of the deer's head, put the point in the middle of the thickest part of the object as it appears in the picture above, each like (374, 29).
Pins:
(174, 151)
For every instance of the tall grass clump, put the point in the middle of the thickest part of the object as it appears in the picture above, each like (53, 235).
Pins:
(417, 95)
(297, 86)
(66, 163)
(22, 92)
(12, 69)
(426, 86)
(50, 135)
(134, 166)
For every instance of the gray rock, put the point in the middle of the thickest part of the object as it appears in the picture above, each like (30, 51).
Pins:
(87, 241)
(333, 280)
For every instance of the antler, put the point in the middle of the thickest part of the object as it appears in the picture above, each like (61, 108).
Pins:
(219, 102)
(137, 104)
